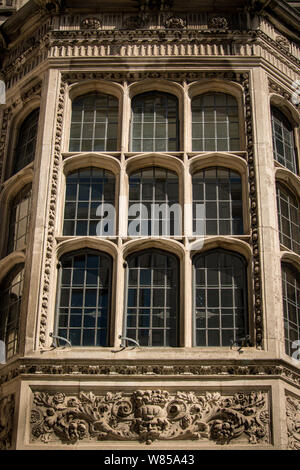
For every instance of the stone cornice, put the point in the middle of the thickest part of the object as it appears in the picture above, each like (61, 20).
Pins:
(185, 369)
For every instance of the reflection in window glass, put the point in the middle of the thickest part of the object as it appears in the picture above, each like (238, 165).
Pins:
(152, 299)
(219, 298)
(25, 150)
(19, 220)
(283, 140)
(84, 299)
(291, 307)
(155, 192)
(154, 124)
(94, 124)
(10, 303)
(288, 219)
(87, 190)
(217, 202)
(215, 123)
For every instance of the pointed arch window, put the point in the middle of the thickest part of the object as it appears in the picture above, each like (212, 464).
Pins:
(291, 307)
(283, 140)
(152, 304)
(154, 122)
(215, 123)
(11, 290)
(84, 298)
(94, 123)
(26, 144)
(220, 298)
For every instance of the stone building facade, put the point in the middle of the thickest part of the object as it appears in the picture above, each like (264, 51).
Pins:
(185, 338)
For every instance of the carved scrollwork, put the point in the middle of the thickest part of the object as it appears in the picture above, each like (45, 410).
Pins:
(174, 22)
(293, 422)
(149, 415)
(283, 42)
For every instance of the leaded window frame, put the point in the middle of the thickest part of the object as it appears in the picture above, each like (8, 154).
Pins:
(29, 127)
(152, 251)
(25, 194)
(288, 327)
(279, 120)
(58, 328)
(293, 207)
(246, 313)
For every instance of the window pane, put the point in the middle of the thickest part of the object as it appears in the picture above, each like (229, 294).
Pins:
(283, 140)
(154, 124)
(220, 307)
(291, 306)
(148, 319)
(25, 150)
(84, 298)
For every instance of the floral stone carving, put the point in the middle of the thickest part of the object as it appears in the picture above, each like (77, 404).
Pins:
(149, 415)
(293, 422)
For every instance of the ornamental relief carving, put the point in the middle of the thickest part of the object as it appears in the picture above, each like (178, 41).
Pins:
(293, 422)
(7, 408)
(150, 415)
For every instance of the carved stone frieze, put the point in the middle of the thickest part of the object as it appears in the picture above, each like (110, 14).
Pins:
(150, 415)
(283, 42)
(7, 408)
(293, 422)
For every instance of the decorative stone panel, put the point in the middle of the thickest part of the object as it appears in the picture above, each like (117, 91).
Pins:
(7, 408)
(293, 422)
(150, 415)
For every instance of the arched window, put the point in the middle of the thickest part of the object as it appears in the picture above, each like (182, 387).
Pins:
(152, 306)
(220, 298)
(19, 220)
(11, 291)
(283, 140)
(215, 123)
(84, 298)
(217, 202)
(291, 307)
(154, 203)
(25, 149)
(94, 124)
(89, 203)
(288, 218)
(155, 123)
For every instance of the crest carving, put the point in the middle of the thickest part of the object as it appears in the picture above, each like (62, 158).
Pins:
(218, 22)
(7, 408)
(150, 415)
(90, 23)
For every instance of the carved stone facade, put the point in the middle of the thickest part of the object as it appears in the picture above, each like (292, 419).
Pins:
(150, 415)
(243, 396)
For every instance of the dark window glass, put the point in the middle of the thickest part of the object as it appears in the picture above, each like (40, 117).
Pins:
(94, 124)
(25, 150)
(154, 125)
(215, 123)
(10, 303)
(19, 220)
(283, 140)
(291, 307)
(89, 191)
(84, 299)
(154, 203)
(220, 301)
(288, 219)
(217, 202)
(152, 299)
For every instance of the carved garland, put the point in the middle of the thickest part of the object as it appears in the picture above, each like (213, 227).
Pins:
(7, 409)
(243, 79)
(150, 415)
(293, 422)
(51, 220)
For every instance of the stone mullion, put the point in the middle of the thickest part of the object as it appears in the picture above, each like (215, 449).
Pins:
(265, 218)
